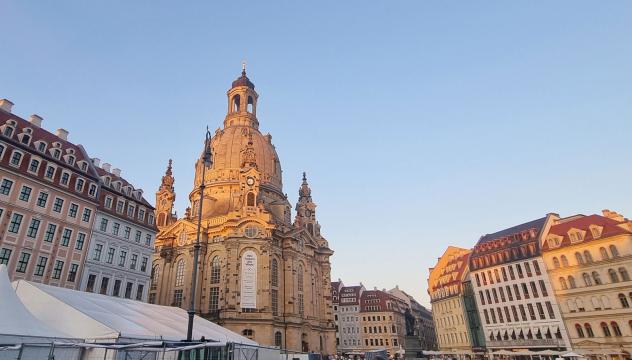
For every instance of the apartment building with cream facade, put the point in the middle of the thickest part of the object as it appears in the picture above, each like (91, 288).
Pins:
(48, 201)
(382, 321)
(122, 243)
(445, 287)
(589, 260)
(513, 292)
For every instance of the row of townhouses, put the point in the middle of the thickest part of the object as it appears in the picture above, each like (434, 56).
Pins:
(66, 219)
(559, 284)
(368, 320)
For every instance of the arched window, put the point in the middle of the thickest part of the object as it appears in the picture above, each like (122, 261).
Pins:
(155, 275)
(615, 328)
(578, 257)
(278, 339)
(587, 280)
(236, 103)
(556, 263)
(589, 330)
(250, 199)
(596, 278)
(605, 329)
(613, 276)
(624, 274)
(215, 270)
(563, 284)
(624, 301)
(251, 105)
(564, 260)
(180, 273)
(249, 333)
(571, 282)
(299, 274)
(614, 251)
(580, 331)
(588, 257)
(604, 253)
(274, 272)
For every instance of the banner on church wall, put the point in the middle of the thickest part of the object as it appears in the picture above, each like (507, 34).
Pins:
(249, 280)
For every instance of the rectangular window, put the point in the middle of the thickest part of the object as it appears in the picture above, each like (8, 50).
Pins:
(534, 289)
(138, 235)
(543, 288)
(34, 166)
(517, 292)
(301, 305)
(130, 210)
(511, 272)
(91, 280)
(16, 221)
(536, 266)
(86, 215)
(531, 311)
(119, 206)
(16, 158)
(59, 266)
(523, 314)
(128, 230)
(515, 313)
(500, 315)
(128, 290)
(527, 268)
(23, 262)
(33, 228)
(58, 204)
(117, 288)
(122, 257)
(81, 238)
(50, 232)
(65, 237)
(5, 187)
(79, 185)
(139, 292)
(25, 193)
(40, 266)
(108, 202)
(502, 294)
(98, 248)
(143, 264)
(275, 300)
(92, 190)
(72, 274)
(519, 270)
(177, 298)
(150, 219)
(65, 178)
(525, 290)
(141, 215)
(41, 199)
(104, 225)
(509, 295)
(110, 258)
(50, 172)
(148, 239)
(549, 308)
(104, 285)
(132, 263)
(486, 316)
(115, 228)
(540, 311)
(72, 210)
(5, 254)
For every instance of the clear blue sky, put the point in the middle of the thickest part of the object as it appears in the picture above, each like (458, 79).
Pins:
(420, 124)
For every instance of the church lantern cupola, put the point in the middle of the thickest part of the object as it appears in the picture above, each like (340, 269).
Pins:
(242, 103)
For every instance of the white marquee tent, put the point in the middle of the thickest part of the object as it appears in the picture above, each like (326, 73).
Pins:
(96, 317)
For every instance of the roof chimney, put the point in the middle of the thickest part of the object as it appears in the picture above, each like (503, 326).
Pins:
(117, 172)
(96, 162)
(106, 167)
(62, 134)
(35, 120)
(375, 288)
(6, 105)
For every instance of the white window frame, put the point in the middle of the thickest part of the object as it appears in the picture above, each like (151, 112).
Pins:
(21, 158)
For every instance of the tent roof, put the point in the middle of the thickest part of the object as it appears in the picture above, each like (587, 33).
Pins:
(95, 316)
(16, 319)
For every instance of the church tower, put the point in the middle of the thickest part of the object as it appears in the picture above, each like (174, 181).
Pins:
(306, 210)
(259, 274)
(165, 197)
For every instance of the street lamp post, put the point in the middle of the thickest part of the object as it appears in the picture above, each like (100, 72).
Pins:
(207, 161)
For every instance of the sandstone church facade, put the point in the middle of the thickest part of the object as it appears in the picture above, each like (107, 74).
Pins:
(260, 273)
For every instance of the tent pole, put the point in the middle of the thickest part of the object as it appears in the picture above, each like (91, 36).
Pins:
(51, 353)
(20, 352)
(105, 354)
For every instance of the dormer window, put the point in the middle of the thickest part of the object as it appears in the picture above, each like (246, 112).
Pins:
(106, 181)
(25, 138)
(596, 232)
(41, 146)
(8, 131)
(70, 159)
(554, 242)
(576, 236)
(84, 166)
(56, 153)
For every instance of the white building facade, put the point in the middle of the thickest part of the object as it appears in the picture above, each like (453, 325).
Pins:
(513, 293)
(122, 242)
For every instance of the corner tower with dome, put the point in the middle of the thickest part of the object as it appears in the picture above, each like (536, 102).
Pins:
(260, 273)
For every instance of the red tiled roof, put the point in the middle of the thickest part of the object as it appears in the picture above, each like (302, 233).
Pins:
(610, 227)
(461, 263)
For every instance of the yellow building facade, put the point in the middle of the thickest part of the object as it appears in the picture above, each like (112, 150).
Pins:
(445, 287)
(589, 260)
(260, 273)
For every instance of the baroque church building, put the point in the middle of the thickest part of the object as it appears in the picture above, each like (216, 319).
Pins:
(260, 273)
